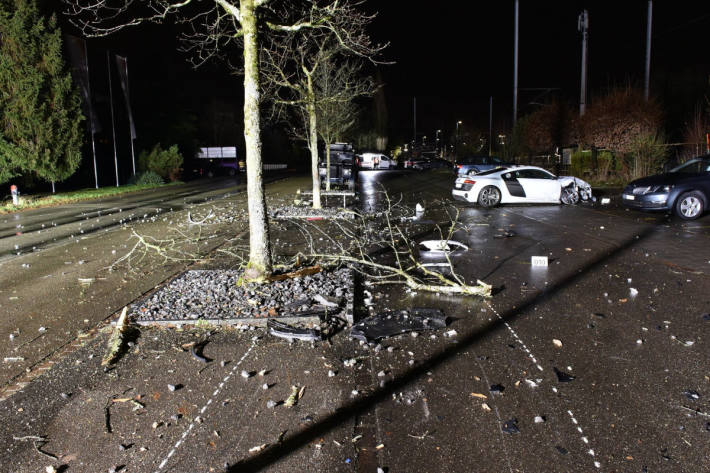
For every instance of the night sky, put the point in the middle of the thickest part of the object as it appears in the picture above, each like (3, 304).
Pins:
(455, 56)
(452, 56)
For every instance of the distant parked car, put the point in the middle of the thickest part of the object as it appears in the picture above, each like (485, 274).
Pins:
(471, 165)
(411, 163)
(376, 161)
(684, 190)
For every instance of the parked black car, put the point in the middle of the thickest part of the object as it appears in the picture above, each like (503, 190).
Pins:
(684, 190)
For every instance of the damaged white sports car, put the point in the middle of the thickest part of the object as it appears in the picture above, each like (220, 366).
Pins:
(520, 184)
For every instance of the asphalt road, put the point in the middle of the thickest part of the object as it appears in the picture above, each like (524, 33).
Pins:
(32, 230)
(598, 362)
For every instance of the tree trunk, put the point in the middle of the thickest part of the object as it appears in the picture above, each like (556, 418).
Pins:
(313, 144)
(327, 166)
(260, 264)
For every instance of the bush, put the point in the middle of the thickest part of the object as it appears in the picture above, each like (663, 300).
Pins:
(165, 163)
(148, 178)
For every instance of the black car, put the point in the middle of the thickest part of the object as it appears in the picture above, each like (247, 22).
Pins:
(684, 190)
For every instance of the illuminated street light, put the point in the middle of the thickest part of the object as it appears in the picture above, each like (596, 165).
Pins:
(456, 143)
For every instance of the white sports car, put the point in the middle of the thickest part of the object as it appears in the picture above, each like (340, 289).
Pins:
(520, 184)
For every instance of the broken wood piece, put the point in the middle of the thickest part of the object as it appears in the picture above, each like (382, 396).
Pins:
(293, 398)
(115, 342)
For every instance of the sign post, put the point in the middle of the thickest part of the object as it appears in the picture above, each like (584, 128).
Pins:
(15, 195)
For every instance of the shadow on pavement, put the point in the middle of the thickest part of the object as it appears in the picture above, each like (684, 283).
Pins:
(360, 406)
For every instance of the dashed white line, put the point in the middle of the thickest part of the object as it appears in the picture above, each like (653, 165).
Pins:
(585, 440)
(204, 408)
(515, 335)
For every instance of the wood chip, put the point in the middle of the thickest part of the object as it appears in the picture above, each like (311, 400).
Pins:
(479, 395)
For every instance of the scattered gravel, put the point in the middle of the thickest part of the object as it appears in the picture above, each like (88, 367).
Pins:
(294, 211)
(214, 294)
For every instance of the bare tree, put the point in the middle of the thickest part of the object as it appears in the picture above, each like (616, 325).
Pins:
(295, 64)
(339, 85)
(212, 28)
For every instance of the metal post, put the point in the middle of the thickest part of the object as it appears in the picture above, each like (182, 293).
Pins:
(91, 115)
(515, 66)
(647, 77)
(415, 122)
(490, 126)
(113, 125)
(456, 142)
(583, 25)
(133, 153)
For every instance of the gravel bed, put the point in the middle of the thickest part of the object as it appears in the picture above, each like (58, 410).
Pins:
(213, 295)
(294, 211)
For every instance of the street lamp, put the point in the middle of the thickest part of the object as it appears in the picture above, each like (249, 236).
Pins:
(456, 143)
(437, 141)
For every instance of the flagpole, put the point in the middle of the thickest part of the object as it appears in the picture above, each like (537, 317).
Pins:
(133, 154)
(113, 125)
(91, 115)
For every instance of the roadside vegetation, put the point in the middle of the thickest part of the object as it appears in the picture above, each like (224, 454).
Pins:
(33, 202)
(621, 137)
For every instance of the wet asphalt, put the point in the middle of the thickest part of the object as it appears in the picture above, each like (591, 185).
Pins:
(598, 362)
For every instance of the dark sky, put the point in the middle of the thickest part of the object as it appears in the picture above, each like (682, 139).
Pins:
(454, 55)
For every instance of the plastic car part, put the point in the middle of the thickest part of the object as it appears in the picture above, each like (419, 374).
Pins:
(282, 330)
(390, 324)
(441, 246)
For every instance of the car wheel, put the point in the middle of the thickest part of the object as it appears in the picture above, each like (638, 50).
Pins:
(689, 206)
(489, 196)
(473, 172)
(569, 196)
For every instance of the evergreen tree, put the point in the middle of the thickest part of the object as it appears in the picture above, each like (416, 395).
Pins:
(40, 115)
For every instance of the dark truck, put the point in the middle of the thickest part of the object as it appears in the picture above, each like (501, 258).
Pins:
(343, 168)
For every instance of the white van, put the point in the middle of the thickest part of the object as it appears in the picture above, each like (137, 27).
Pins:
(376, 161)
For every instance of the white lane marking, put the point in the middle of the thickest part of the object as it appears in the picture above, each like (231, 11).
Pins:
(515, 335)
(204, 408)
(585, 440)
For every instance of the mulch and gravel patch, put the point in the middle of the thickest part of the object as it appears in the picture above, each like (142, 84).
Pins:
(215, 296)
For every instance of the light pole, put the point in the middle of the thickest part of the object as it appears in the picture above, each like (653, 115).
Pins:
(456, 142)
(437, 141)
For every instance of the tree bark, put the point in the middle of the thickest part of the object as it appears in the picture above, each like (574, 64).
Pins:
(260, 264)
(313, 143)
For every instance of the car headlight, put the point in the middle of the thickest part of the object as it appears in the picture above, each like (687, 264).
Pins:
(666, 188)
(652, 189)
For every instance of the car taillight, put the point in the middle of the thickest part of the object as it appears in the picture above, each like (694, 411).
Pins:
(459, 166)
(469, 181)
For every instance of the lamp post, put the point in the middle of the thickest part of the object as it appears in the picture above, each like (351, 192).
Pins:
(437, 141)
(456, 142)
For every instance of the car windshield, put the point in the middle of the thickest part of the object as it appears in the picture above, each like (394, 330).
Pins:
(694, 166)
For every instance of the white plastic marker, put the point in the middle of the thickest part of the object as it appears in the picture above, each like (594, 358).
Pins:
(539, 261)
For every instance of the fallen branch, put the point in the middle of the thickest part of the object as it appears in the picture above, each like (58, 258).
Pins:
(116, 341)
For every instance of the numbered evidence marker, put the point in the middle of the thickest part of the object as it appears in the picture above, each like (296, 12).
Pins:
(539, 261)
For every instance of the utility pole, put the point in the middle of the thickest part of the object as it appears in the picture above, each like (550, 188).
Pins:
(415, 124)
(582, 26)
(648, 49)
(515, 65)
(113, 124)
(91, 116)
(490, 126)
